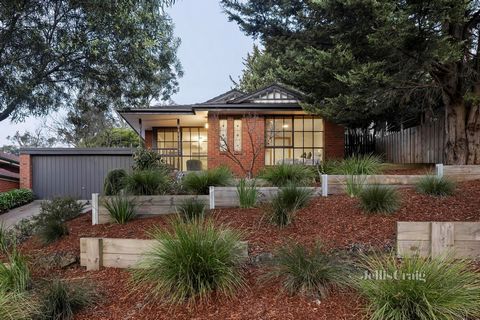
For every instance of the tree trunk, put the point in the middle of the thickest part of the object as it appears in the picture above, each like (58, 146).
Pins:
(473, 129)
(456, 148)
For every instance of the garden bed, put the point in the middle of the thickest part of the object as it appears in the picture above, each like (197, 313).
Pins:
(336, 221)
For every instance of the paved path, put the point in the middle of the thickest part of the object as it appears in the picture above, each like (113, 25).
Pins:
(27, 211)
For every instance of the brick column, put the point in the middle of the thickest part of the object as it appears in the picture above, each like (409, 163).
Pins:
(334, 140)
(148, 139)
(25, 171)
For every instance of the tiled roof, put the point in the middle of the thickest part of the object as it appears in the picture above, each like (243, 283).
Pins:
(9, 157)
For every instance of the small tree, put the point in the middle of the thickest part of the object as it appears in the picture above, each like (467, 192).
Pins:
(251, 122)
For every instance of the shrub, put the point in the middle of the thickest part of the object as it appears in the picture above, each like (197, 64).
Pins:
(284, 174)
(114, 182)
(191, 209)
(59, 209)
(438, 288)
(247, 194)
(121, 209)
(436, 186)
(145, 159)
(190, 262)
(199, 182)
(15, 198)
(16, 306)
(311, 272)
(14, 275)
(147, 182)
(286, 202)
(379, 199)
(60, 300)
(52, 230)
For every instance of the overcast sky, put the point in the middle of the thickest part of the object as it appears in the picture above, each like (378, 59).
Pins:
(211, 50)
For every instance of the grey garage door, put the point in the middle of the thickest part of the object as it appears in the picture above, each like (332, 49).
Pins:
(77, 175)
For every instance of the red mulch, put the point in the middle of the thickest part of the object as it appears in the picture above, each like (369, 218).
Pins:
(336, 221)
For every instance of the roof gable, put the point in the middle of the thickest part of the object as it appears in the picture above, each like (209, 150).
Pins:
(272, 94)
(226, 97)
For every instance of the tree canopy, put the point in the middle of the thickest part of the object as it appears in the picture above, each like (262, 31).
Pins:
(366, 61)
(124, 52)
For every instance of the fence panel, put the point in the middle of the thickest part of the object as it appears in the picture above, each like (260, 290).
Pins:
(421, 144)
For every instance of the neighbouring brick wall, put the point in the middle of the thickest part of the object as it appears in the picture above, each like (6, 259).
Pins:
(217, 158)
(334, 140)
(6, 185)
(148, 139)
(25, 171)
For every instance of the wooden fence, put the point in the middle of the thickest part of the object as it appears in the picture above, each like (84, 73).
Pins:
(462, 239)
(144, 205)
(121, 253)
(421, 144)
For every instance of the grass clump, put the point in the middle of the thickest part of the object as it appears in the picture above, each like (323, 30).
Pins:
(426, 288)
(355, 165)
(190, 262)
(147, 182)
(114, 182)
(14, 274)
(436, 186)
(16, 306)
(199, 182)
(355, 184)
(191, 209)
(286, 202)
(284, 174)
(247, 194)
(379, 199)
(121, 209)
(52, 230)
(307, 271)
(60, 300)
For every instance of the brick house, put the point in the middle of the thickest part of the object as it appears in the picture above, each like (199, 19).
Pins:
(244, 131)
(9, 171)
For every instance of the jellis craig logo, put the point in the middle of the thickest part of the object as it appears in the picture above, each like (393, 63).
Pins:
(384, 275)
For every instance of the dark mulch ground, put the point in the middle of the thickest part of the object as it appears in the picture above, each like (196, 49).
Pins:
(336, 221)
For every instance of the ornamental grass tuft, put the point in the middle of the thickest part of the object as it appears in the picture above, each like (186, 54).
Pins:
(379, 199)
(436, 186)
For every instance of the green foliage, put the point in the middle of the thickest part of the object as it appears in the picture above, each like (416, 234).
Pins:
(190, 262)
(14, 274)
(286, 202)
(16, 306)
(355, 165)
(436, 186)
(438, 288)
(134, 41)
(308, 271)
(191, 209)
(52, 230)
(145, 159)
(59, 209)
(379, 199)
(199, 182)
(283, 174)
(355, 185)
(15, 198)
(247, 193)
(60, 300)
(147, 182)
(114, 182)
(121, 209)
(112, 138)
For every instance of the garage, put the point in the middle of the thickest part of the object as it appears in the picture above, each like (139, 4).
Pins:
(75, 172)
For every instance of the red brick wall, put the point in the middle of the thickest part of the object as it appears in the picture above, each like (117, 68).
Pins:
(6, 185)
(217, 158)
(25, 171)
(334, 140)
(148, 139)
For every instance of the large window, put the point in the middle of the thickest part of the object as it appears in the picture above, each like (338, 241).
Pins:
(177, 151)
(296, 139)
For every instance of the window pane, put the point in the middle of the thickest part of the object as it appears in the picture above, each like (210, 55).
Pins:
(168, 136)
(269, 138)
(195, 148)
(237, 135)
(287, 124)
(185, 134)
(287, 140)
(318, 124)
(278, 156)
(298, 139)
(203, 147)
(186, 150)
(194, 135)
(269, 157)
(308, 139)
(308, 124)
(298, 124)
(318, 139)
(308, 153)
(298, 155)
(318, 154)
(278, 124)
(269, 124)
(278, 138)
